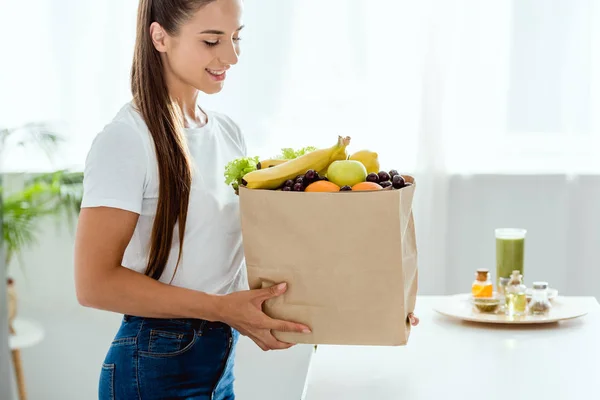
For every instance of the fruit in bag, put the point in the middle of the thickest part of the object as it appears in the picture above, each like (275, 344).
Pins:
(365, 186)
(368, 158)
(318, 160)
(346, 172)
(322, 186)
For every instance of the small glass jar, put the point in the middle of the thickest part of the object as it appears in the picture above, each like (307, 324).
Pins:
(540, 304)
(482, 286)
(516, 299)
(502, 284)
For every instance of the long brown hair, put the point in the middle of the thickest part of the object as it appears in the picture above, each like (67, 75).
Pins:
(165, 122)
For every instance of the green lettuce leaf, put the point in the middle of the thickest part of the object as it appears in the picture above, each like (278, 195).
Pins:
(236, 169)
(289, 153)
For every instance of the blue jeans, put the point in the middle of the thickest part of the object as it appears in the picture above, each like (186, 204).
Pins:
(169, 359)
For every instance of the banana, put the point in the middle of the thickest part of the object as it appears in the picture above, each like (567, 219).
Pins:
(319, 160)
(269, 163)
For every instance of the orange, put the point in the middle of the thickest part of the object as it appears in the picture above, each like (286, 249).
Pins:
(322, 186)
(366, 186)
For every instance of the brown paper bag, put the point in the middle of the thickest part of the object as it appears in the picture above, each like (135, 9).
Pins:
(349, 259)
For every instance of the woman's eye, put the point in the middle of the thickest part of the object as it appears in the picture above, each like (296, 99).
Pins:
(216, 42)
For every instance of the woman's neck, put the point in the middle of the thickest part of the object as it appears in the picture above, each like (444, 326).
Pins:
(186, 97)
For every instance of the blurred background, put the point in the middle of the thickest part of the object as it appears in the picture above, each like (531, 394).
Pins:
(489, 104)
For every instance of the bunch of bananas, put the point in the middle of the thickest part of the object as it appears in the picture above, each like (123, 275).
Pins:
(271, 174)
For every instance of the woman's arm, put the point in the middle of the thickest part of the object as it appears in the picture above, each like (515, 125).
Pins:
(101, 282)
(103, 234)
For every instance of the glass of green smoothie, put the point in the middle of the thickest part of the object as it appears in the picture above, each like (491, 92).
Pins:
(510, 252)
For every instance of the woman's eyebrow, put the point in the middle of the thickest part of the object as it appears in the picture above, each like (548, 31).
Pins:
(216, 32)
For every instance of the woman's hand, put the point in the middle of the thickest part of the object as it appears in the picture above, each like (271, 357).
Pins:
(414, 320)
(243, 311)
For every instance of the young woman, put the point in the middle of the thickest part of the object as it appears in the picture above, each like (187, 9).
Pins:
(159, 238)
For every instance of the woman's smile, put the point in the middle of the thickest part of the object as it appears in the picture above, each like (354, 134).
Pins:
(217, 75)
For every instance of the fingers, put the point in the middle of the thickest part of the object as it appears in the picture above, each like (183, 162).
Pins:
(414, 320)
(278, 345)
(268, 342)
(274, 344)
(273, 291)
(285, 326)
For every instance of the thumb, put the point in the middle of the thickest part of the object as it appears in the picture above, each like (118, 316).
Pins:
(272, 291)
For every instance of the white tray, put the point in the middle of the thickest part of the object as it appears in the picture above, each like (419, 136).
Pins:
(460, 307)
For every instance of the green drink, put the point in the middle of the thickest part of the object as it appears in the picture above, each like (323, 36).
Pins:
(510, 252)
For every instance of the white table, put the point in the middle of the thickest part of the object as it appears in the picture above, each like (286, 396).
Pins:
(450, 359)
(27, 333)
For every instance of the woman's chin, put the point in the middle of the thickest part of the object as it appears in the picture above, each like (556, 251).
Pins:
(212, 88)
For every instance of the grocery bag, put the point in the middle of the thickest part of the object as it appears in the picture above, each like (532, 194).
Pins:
(349, 260)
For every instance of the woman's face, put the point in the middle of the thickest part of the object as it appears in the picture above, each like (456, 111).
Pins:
(205, 47)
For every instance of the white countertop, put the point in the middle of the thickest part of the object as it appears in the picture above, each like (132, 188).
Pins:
(449, 359)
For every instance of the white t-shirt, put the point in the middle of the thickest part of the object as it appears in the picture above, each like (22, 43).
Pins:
(121, 171)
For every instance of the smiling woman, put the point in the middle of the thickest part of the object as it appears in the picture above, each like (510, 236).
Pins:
(159, 238)
(201, 49)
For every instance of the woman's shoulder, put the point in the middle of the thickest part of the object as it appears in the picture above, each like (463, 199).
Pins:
(126, 132)
(126, 121)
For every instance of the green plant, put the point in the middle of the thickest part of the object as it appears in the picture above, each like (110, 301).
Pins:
(56, 194)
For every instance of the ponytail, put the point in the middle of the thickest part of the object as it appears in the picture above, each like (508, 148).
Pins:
(165, 122)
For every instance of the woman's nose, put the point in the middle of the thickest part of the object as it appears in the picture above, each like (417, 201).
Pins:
(230, 53)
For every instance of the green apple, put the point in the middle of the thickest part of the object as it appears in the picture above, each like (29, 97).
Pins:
(346, 172)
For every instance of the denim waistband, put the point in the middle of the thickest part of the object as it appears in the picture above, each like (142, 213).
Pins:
(196, 324)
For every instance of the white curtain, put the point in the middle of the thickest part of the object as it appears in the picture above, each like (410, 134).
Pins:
(437, 87)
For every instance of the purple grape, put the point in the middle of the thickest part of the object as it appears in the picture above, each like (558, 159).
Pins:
(385, 184)
(383, 176)
(393, 173)
(345, 188)
(289, 183)
(311, 175)
(398, 181)
(287, 189)
(298, 187)
(300, 180)
(373, 177)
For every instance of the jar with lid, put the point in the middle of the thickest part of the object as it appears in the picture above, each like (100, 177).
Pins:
(482, 286)
(540, 304)
(516, 299)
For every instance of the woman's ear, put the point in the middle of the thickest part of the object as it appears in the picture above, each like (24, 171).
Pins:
(159, 37)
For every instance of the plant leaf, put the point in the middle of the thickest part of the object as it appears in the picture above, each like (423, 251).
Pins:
(54, 194)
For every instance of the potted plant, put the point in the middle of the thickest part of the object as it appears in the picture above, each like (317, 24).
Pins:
(53, 194)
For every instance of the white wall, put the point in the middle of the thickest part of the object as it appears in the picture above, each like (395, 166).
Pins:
(561, 215)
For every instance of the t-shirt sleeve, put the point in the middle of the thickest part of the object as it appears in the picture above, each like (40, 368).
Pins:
(115, 170)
